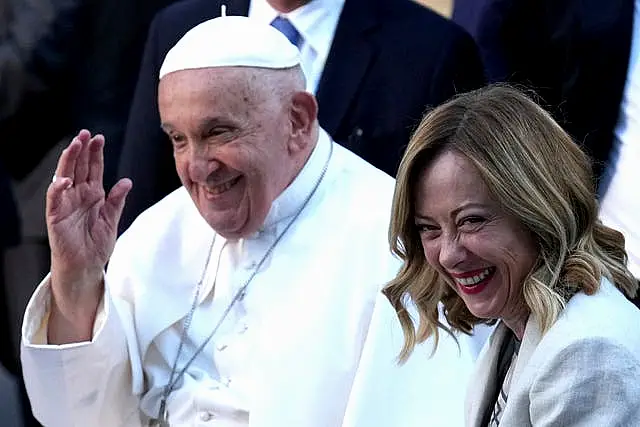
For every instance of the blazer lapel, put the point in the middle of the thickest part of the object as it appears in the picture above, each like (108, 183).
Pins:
(484, 377)
(351, 53)
(530, 341)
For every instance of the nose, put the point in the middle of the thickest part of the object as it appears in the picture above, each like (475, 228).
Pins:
(202, 163)
(452, 252)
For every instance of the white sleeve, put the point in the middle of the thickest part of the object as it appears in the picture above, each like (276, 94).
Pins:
(80, 384)
(425, 391)
(591, 382)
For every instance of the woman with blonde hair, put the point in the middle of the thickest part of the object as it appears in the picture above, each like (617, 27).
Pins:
(495, 217)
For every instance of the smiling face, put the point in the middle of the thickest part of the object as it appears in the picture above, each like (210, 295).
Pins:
(483, 253)
(236, 148)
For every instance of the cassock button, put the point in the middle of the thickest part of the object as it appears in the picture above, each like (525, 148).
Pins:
(206, 416)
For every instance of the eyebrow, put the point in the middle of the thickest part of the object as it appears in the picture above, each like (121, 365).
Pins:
(455, 212)
(205, 124)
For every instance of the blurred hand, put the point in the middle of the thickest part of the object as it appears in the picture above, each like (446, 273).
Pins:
(82, 223)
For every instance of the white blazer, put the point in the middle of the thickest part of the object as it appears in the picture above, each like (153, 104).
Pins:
(585, 371)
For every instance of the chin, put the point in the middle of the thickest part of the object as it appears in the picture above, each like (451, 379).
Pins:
(235, 228)
(483, 315)
(482, 311)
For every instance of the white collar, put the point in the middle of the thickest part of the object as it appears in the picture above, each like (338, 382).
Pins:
(293, 197)
(316, 21)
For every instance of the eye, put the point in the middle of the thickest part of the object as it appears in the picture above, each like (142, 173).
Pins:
(471, 222)
(427, 230)
(217, 131)
(177, 140)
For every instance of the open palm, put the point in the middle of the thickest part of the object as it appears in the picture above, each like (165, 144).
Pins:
(81, 221)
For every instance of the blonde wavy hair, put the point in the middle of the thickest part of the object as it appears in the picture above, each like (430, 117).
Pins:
(539, 176)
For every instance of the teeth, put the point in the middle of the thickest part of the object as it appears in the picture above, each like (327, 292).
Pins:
(471, 281)
(222, 187)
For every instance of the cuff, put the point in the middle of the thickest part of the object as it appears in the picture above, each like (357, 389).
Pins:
(36, 318)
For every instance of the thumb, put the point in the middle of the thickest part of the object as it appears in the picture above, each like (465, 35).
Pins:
(115, 201)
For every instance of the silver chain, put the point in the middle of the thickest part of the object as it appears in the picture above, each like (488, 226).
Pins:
(239, 295)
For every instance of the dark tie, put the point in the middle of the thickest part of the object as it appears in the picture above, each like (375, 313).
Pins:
(286, 27)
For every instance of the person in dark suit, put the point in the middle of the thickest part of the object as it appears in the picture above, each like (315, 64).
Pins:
(573, 54)
(388, 62)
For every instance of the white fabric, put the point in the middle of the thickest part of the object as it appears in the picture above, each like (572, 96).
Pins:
(620, 206)
(426, 391)
(242, 42)
(293, 354)
(584, 372)
(316, 22)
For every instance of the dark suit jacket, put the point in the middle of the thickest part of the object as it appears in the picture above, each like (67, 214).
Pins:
(389, 61)
(574, 53)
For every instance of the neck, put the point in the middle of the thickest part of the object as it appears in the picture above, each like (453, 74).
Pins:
(286, 6)
(517, 324)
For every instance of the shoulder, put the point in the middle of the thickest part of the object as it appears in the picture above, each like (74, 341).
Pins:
(605, 314)
(429, 39)
(414, 13)
(189, 11)
(172, 219)
(591, 380)
(409, 18)
(354, 203)
(173, 21)
(600, 330)
(161, 245)
(586, 368)
(367, 188)
(174, 207)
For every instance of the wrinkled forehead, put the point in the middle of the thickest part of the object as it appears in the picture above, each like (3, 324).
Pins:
(190, 96)
(206, 77)
(231, 84)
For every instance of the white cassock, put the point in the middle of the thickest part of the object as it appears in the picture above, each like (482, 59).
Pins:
(299, 350)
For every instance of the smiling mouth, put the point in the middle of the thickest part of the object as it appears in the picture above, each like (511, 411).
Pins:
(222, 188)
(477, 282)
(477, 278)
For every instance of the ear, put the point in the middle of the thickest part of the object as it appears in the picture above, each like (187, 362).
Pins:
(303, 115)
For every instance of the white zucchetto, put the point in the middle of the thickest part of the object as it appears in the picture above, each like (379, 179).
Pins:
(231, 41)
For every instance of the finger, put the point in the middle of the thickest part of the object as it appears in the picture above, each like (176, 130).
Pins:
(115, 201)
(81, 172)
(67, 162)
(55, 195)
(96, 159)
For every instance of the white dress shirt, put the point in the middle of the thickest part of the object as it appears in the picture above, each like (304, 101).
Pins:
(620, 205)
(316, 22)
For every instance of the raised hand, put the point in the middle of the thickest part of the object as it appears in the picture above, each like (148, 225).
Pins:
(82, 225)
